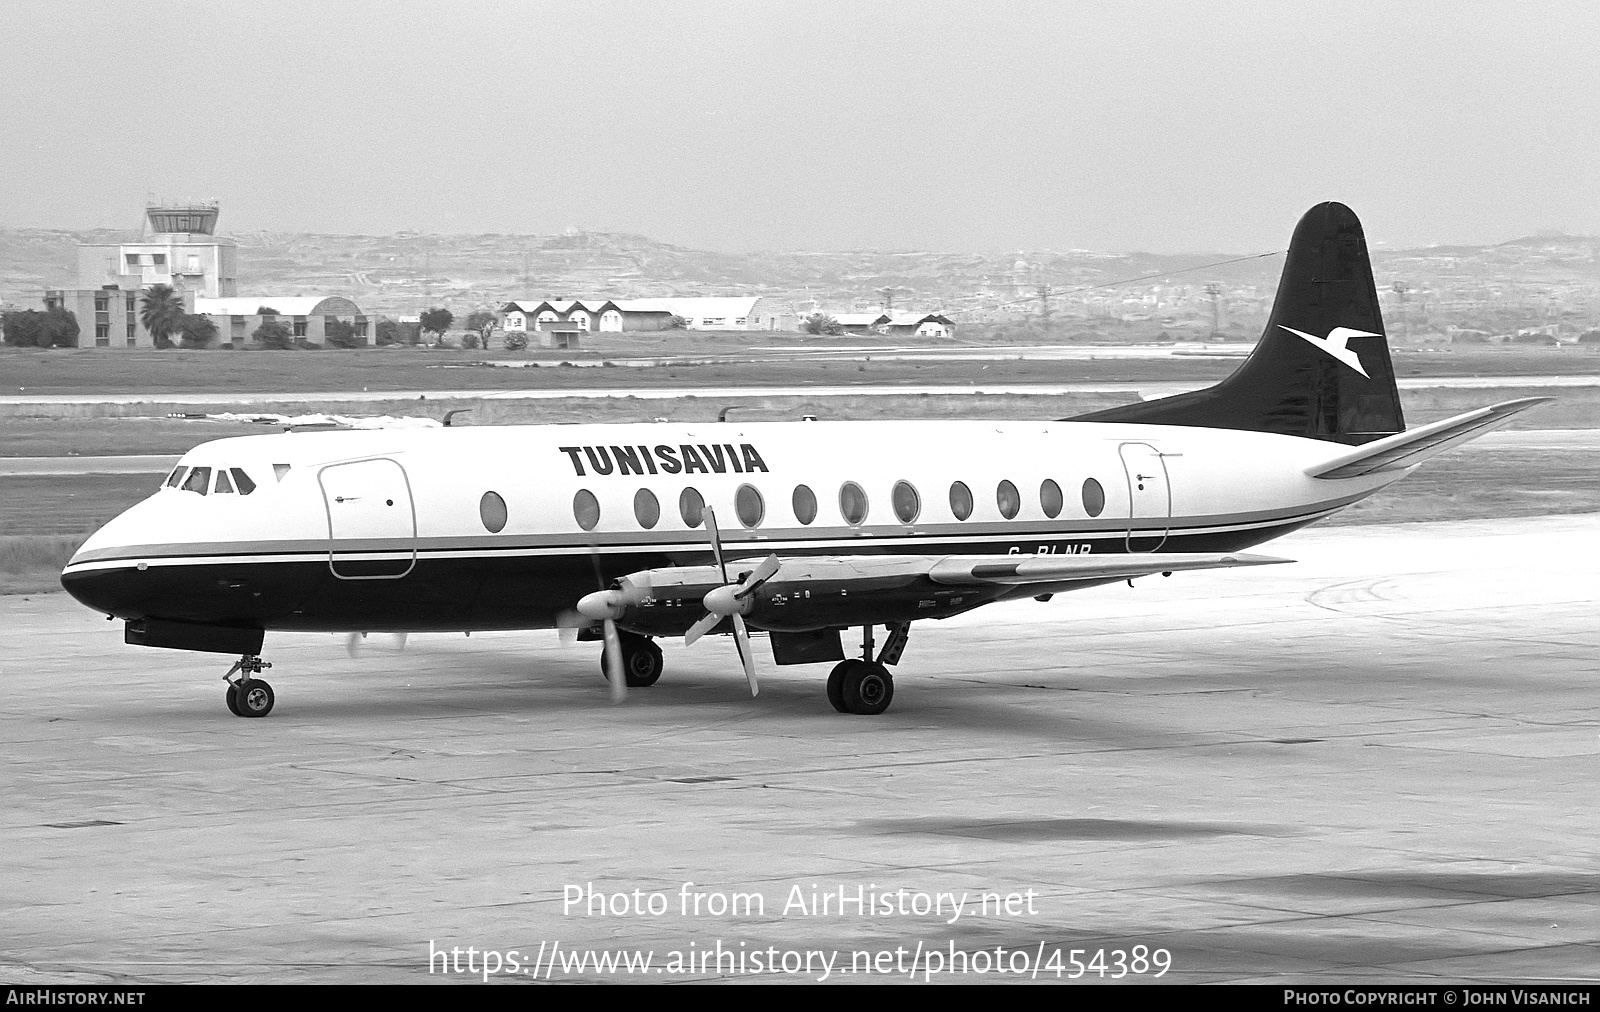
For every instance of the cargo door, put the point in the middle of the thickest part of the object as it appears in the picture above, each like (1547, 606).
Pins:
(372, 522)
(1149, 496)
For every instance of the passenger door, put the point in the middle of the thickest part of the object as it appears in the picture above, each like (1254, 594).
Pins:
(1149, 496)
(372, 521)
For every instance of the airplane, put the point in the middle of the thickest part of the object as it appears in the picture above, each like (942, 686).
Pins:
(624, 533)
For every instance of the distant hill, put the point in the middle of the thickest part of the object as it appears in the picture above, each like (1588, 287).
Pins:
(402, 273)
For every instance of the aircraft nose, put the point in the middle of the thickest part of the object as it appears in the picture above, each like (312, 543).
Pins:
(110, 591)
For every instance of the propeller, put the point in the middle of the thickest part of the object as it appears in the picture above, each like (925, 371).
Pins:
(356, 642)
(605, 607)
(732, 600)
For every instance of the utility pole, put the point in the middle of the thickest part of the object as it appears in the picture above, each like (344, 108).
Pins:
(1215, 291)
(1044, 306)
(1400, 289)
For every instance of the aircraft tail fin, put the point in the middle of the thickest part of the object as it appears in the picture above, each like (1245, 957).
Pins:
(1321, 369)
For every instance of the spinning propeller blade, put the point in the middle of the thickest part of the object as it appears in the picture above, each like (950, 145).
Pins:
(732, 600)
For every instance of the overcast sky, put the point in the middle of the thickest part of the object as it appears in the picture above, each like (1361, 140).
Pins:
(1166, 126)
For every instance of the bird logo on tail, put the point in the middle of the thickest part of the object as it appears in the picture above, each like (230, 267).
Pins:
(1335, 344)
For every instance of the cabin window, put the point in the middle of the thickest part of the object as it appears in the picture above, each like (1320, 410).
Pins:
(1094, 497)
(692, 507)
(646, 508)
(749, 506)
(175, 477)
(1008, 499)
(199, 480)
(492, 511)
(242, 481)
(853, 503)
(223, 484)
(960, 500)
(1050, 498)
(586, 509)
(805, 504)
(907, 503)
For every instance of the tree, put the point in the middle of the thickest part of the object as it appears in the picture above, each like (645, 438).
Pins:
(61, 329)
(484, 322)
(436, 321)
(161, 312)
(822, 323)
(23, 328)
(388, 331)
(342, 334)
(676, 322)
(275, 335)
(197, 330)
(53, 328)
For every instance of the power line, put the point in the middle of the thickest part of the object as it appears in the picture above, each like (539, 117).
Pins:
(1047, 294)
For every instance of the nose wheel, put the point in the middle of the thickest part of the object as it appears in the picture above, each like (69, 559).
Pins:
(247, 695)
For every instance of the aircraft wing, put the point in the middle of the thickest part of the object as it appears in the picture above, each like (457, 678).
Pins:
(1021, 570)
(1403, 449)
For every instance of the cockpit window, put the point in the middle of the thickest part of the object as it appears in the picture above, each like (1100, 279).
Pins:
(223, 484)
(176, 476)
(199, 480)
(242, 481)
(280, 470)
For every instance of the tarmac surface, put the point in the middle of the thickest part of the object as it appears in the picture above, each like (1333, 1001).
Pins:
(1378, 764)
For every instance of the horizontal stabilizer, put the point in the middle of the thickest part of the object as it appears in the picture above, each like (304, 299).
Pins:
(1413, 447)
(1026, 569)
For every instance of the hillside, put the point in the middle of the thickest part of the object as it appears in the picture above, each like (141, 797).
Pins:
(1526, 281)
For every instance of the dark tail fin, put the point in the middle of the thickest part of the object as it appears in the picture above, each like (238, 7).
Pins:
(1321, 369)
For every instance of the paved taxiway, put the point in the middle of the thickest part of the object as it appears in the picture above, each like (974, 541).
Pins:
(1377, 764)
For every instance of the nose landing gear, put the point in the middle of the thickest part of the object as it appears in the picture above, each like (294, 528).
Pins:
(248, 696)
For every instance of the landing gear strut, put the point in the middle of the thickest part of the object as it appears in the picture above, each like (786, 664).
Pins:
(248, 696)
(641, 660)
(865, 687)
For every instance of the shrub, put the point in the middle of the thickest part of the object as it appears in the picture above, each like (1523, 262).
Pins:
(196, 331)
(342, 334)
(469, 340)
(822, 323)
(515, 341)
(274, 335)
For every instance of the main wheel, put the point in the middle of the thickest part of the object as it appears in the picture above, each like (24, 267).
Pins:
(836, 684)
(641, 662)
(233, 701)
(254, 698)
(868, 688)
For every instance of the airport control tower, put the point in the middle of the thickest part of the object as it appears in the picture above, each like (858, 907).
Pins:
(181, 249)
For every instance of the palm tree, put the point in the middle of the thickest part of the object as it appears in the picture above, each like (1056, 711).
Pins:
(161, 312)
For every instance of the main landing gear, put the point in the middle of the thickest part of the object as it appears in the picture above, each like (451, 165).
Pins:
(865, 686)
(641, 660)
(248, 696)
